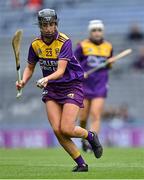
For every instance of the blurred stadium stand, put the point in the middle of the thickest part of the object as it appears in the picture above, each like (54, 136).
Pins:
(74, 15)
(126, 86)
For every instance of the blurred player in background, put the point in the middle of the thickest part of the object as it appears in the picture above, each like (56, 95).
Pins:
(90, 53)
(62, 82)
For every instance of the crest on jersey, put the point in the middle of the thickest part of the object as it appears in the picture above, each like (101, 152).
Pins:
(71, 95)
(45, 92)
(90, 49)
(57, 51)
(39, 51)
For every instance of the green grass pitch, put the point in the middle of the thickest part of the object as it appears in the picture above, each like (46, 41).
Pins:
(116, 163)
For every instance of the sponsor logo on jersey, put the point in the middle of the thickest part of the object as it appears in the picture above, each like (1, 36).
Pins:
(94, 61)
(49, 65)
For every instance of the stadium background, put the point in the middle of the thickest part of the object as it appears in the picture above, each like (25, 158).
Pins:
(23, 123)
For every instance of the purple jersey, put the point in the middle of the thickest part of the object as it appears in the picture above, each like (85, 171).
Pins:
(91, 55)
(48, 56)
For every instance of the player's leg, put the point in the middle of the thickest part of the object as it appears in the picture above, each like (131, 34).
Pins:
(54, 112)
(69, 116)
(84, 113)
(68, 128)
(83, 117)
(96, 108)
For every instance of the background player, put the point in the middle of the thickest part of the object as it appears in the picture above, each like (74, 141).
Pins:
(91, 52)
(62, 82)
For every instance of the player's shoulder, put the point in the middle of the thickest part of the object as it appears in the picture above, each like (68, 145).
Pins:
(107, 43)
(84, 42)
(62, 37)
(36, 40)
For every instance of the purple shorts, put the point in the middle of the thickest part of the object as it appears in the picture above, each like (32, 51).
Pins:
(63, 93)
(96, 87)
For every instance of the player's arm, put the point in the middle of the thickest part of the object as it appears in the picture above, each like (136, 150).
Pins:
(27, 74)
(29, 69)
(62, 64)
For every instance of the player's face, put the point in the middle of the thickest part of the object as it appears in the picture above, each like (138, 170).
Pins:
(48, 29)
(96, 34)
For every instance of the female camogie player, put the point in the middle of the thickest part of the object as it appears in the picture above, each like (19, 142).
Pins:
(91, 52)
(62, 82)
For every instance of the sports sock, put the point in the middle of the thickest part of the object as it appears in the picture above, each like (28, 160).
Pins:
(80, 161)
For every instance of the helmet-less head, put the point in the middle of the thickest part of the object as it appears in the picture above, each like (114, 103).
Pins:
(48, 22)
(96, 31)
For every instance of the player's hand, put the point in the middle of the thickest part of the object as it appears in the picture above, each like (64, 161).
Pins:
(20, 85)
(41, 83)
(85, 75)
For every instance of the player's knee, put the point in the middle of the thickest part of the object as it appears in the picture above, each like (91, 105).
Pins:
(66, 131)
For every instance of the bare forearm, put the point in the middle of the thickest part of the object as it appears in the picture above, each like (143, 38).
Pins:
(27, 74)
(56, 75)
(59, 72)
